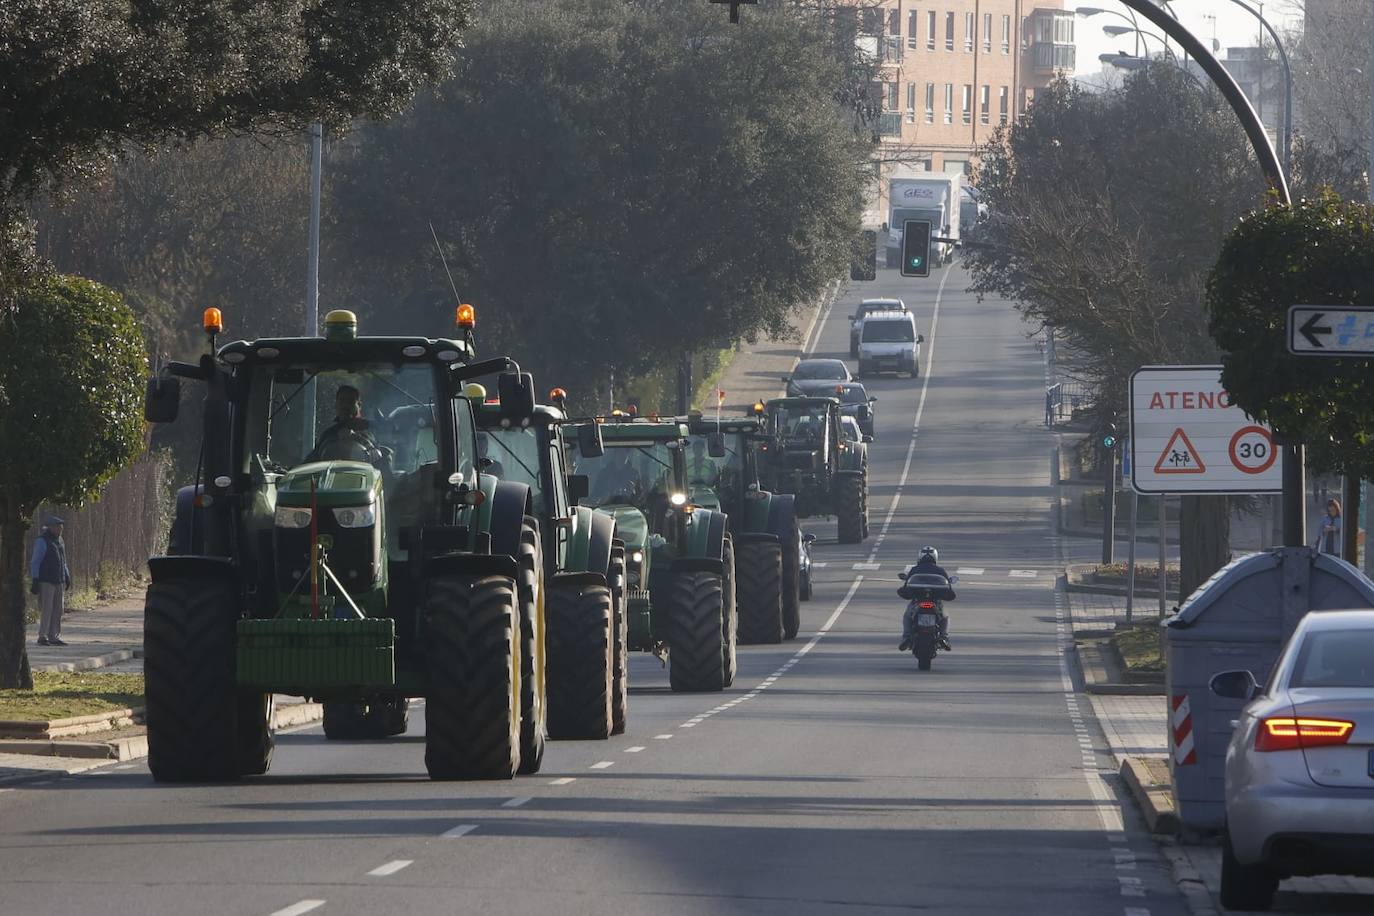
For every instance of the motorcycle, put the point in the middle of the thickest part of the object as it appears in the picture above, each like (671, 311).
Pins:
(929, 592)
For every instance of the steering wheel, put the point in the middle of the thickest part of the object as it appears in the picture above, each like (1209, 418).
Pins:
(346, 445)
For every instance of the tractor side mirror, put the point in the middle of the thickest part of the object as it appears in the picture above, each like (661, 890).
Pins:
(1234, 685)
(162, 400)
(516, 390)
(715, 445)
(589, 442)
(579, 485)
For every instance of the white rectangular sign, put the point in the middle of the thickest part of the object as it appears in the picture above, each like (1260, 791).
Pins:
(1187, 436)
(1315, 330)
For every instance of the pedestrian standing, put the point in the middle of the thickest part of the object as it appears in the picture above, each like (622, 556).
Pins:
(1329, 529)
(52, 579)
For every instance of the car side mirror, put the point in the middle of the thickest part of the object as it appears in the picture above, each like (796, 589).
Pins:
(808, 537)
(579, 485)
(786, 378)
(920, 338)
(715, 445)
(902, 576)
(589, 442)
(853, 317)
(1234, 685)
(953, 580)
(866, 438)
(873, 400)
(162, 399)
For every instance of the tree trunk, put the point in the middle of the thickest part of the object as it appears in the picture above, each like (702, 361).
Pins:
(1350, 519)
(14, 655)
(1204, 540)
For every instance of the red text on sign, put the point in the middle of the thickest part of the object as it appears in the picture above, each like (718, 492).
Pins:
(1190, 400)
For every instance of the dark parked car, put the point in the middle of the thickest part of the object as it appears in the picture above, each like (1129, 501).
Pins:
(816, 377)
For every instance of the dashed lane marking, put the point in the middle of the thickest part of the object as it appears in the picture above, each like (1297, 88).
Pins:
(461, 830)
(662, 737)
(296, 909)
(562, 780)
(819, 565)
(1023, 573)
(390, 868)
(867, 566)
(602, 765)
(634, 750)
(516, 802)
(970, 571)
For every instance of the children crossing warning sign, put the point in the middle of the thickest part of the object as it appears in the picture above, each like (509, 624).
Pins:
(1179, 456)
(1187, 436)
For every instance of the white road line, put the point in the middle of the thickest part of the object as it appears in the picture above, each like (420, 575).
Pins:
(821, 565)
(662, 737)
(602, 765)
(125, 766)
(867, 566)
(970, 571)
(1023, 573)
(460, 830)
(634, 750)
(916, 424)
(562, 780)
(296, 909)
(390, 868)
(516, 802)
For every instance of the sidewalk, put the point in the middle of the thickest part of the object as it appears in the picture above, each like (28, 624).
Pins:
(109, 637)
(755, 373)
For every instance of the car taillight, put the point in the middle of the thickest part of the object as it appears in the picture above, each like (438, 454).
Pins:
(927, 605)
(1285, 733)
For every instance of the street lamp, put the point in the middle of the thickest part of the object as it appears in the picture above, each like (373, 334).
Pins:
(1086, 11)
(1116, 31)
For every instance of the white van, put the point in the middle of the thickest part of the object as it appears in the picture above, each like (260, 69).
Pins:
(888, 342)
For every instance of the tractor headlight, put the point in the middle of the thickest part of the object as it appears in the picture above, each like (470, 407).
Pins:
(678, 499)
(288, 517)
(637, 557)
(356, 517)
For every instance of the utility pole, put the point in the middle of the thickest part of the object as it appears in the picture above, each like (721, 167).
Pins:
(312, 267)
(1109, 443)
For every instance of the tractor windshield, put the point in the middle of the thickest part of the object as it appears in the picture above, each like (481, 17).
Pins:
(514, 454)
(801, 423)
(629, 473)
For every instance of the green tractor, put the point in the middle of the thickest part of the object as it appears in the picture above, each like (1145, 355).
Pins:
(806, 455)
(342, 544)
(723, 474)
(584, 569)
(679, 558)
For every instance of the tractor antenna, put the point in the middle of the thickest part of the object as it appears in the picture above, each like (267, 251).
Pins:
(443, 260)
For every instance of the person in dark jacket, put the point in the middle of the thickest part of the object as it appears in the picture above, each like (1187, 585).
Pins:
(929, 565)
(52, 579)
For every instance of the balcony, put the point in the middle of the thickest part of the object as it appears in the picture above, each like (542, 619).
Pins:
(1048, 58)
(890, 124)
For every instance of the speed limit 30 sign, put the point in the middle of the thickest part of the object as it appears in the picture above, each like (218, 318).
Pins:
(1187, 436)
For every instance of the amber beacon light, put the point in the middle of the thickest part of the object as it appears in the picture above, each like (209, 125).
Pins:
(212, 321)
(467, 316)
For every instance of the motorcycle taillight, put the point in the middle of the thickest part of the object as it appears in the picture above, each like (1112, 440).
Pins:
(927, 605)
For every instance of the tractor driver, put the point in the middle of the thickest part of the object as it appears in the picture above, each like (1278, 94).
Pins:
(618, 478)
(348, 437)
(701, 468)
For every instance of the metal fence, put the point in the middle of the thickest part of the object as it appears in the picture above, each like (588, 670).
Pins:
(1063, 400)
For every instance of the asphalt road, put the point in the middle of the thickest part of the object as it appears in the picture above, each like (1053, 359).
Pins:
(833, 778)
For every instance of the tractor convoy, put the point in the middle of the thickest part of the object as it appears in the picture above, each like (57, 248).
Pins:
(368, 526)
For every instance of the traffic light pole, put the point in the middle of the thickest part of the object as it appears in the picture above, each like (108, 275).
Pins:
(1109, 509)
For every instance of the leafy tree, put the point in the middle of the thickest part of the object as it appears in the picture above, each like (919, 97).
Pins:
(1106, 212)
(1331, 60)
(71, 377)
(1319, 251)
(613, 183)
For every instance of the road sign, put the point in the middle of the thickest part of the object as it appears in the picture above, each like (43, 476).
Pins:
(1316, 330)
(1187, 437)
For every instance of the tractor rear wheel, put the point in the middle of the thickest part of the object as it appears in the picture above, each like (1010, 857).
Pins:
(530, 591)
(192, 702)
(729, 615)
(791, 582)
(579, 631)
(850, 508)
(255, 733)
(620, 633)
(758, 583)
(472, 710)
(696, 651)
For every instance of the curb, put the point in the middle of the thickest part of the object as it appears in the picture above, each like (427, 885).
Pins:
(91, 663)
(1156, 800)
(1189, 880)
(1097, 678)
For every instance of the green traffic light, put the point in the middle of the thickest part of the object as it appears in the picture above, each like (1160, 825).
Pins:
(1108, 441)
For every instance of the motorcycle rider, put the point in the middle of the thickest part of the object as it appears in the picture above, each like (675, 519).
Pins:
(928, 564)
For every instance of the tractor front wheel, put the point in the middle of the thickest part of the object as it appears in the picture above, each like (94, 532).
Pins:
(791, 582)
(530, 591)
(620, 632)
(758, 581)
(729, 615)
(850, 508)
(580, 662)
(472, 711)
(696, 646)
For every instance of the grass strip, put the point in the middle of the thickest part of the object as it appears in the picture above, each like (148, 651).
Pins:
(60, 695)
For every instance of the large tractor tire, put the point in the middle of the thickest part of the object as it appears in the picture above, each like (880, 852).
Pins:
(192, 702)
(620, 644)
(366, 721)
(579, 634)
(694, 605)
(850, 508)
(530, 591)
(255, 739)
(791, 582)
(758, 586)
(729, 613)
(472, 710)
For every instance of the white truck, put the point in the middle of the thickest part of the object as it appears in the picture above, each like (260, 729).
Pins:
(935, 199)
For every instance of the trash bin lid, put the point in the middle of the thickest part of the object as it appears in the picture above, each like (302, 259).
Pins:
(1334, 570)
(1224, 579)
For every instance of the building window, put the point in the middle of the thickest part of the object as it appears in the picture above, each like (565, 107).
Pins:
(930, 103)
(987, 33)
(968, 104)
(894, 22)
(968, 32)
(911, 19)
(911, 103)
(984, 104)
(930, 31)
(892, 48)
(949, 103)
(949, 31)
(1002, 105)
(1025, 33)
(892, 89)
(1006, 34)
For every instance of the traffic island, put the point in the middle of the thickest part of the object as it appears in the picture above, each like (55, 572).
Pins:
(1153, 789)
(1107, 672)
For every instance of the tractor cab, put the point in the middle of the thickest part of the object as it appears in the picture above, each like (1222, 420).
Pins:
(805, 455)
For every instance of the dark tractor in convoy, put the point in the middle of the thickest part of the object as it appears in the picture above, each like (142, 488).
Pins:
(679, 557)
(723, 474)
(584, 570)
(804, 457)
(341, 543)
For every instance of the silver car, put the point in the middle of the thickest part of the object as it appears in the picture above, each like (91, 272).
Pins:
(1300, 765)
